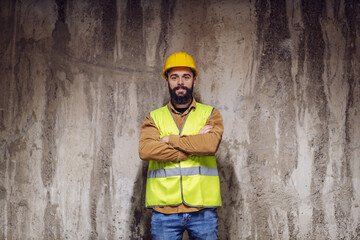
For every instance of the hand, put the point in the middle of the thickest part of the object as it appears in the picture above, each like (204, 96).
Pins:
(205, 129)
(165, 139)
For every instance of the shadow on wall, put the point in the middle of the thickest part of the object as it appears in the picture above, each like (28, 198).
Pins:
(140, 217)
(230, 213)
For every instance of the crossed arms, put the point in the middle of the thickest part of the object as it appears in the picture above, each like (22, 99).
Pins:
(177, 148)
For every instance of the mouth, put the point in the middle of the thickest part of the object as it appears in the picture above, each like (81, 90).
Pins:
(181, 91)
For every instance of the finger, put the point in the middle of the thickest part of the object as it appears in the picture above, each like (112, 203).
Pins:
(202, 131)
(205, 129)
(208, 128)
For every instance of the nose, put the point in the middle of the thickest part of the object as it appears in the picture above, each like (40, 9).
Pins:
(181, 81)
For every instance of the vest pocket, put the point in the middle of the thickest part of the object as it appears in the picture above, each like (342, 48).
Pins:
(163, 191)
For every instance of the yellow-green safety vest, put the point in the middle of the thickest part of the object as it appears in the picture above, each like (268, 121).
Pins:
(194, 181)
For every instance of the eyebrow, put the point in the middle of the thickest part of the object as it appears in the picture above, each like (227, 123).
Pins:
(175, 74)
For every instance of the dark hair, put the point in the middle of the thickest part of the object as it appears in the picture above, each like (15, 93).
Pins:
(167, 71)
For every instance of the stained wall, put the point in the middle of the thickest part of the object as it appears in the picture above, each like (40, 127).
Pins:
(78, 78)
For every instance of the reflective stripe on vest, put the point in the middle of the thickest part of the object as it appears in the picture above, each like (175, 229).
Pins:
(194, 181)
(172, 172)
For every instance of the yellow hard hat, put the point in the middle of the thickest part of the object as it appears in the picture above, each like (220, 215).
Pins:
(179, 59)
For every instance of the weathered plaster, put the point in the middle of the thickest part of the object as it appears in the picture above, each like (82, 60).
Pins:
(78, 78)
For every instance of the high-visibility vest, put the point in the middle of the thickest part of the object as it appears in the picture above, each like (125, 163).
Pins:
(194, 181)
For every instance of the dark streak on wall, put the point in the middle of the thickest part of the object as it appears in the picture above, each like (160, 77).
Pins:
(7, 32)
(139, 217)
(49, 153)
(133, 46)
(61, 8)
(6, 42)
(55, 91)
(272, 30)
(344, 181)
(336, 8)
(167, 10)
(349, 33)
(61, 35)
(109, 20)
(274, 95)
(299, 92)
(230, 221)
(23, 82)
(61, 38)
(259, 225)
(207, 36)
(52, 222)
(100, 185)
(312, 12)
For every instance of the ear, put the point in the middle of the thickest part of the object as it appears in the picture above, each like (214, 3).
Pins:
(167, 82)
(194, 81)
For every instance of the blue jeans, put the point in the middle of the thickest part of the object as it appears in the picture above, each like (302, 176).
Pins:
(199, 225)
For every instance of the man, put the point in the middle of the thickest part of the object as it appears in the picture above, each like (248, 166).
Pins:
(180, 141)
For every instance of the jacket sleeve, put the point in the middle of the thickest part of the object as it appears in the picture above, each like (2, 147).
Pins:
(151, 148)
(201, 144)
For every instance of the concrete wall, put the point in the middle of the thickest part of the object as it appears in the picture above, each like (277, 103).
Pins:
(78, 78)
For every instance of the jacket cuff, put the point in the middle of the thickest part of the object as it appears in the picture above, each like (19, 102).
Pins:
(174, 140)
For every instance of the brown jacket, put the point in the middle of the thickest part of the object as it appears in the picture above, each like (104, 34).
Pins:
(179, 147)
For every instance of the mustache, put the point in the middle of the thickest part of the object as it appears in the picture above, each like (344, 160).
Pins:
(180, 87)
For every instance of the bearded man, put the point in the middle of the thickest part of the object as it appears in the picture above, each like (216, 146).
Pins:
(180, 141)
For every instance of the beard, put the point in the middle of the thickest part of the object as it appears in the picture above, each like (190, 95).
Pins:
(182, 99)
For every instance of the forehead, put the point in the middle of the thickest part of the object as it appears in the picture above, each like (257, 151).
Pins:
(180, 71)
